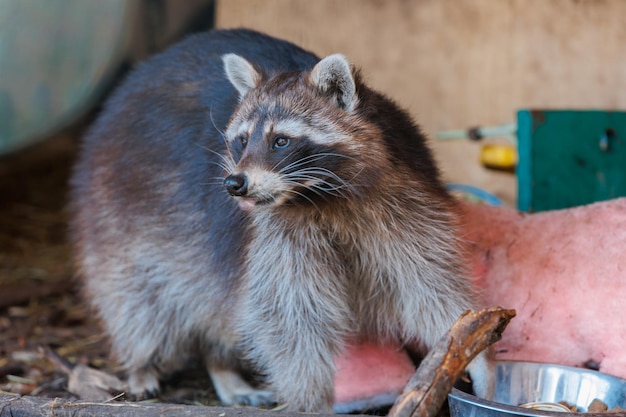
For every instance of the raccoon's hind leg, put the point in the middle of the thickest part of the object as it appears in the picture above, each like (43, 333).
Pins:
(482, 372)
(233, 389)
(144, 376)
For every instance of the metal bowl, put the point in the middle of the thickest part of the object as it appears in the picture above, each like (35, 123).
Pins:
(525, 382)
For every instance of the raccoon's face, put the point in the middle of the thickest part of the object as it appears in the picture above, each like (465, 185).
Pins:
(289, 139)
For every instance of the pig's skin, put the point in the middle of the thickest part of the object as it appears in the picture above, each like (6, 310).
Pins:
(564, 272)
(370, 375)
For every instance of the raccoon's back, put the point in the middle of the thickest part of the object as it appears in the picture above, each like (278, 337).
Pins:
(149, 179)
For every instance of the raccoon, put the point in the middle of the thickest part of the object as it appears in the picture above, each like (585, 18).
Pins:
(242, 201)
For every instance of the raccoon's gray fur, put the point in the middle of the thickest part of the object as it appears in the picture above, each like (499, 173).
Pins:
(337, 229)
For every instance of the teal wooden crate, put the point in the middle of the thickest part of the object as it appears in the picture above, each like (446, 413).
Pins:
(569, 158)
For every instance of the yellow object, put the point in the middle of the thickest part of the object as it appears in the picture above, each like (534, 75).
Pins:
(498, 156)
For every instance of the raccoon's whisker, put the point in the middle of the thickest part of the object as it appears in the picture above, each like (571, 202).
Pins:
(230, 159)
(296, 163)
(301, 176)
(342, 183)
(316, 188)
(320, 173)
(350, 183)
(222, 136)
(320, 183)
(275, 167)
(299, 194)
(220, 131)
(214, 181)
(329, 191)
(315, 157)
(293, 191)
(311, 158)
(226, 163)
(339, 155)
(330, 188)
(297, 182)
(218, 180)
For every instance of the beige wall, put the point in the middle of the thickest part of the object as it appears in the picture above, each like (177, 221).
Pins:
(460, 63)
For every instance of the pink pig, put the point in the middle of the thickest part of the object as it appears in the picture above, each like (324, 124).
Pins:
(564, 272)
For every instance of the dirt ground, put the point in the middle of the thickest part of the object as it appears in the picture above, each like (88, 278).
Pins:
(38, 302)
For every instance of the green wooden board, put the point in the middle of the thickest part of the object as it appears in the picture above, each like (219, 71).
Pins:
(569, 158)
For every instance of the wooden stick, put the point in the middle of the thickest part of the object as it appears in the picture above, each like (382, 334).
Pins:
(473, 332)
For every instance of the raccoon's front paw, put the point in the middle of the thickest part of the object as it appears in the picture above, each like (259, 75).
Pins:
(256, 398)
(232, 389)
(143, 384)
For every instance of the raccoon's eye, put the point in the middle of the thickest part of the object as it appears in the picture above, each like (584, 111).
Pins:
(243, 140)
(281, 142)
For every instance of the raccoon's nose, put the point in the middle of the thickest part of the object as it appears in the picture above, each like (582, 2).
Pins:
(236, 185)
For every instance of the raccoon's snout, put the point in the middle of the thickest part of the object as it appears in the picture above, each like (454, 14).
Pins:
(236, 185)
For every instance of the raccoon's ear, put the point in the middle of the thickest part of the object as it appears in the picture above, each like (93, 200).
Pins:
(333, 75)
(240, 73)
